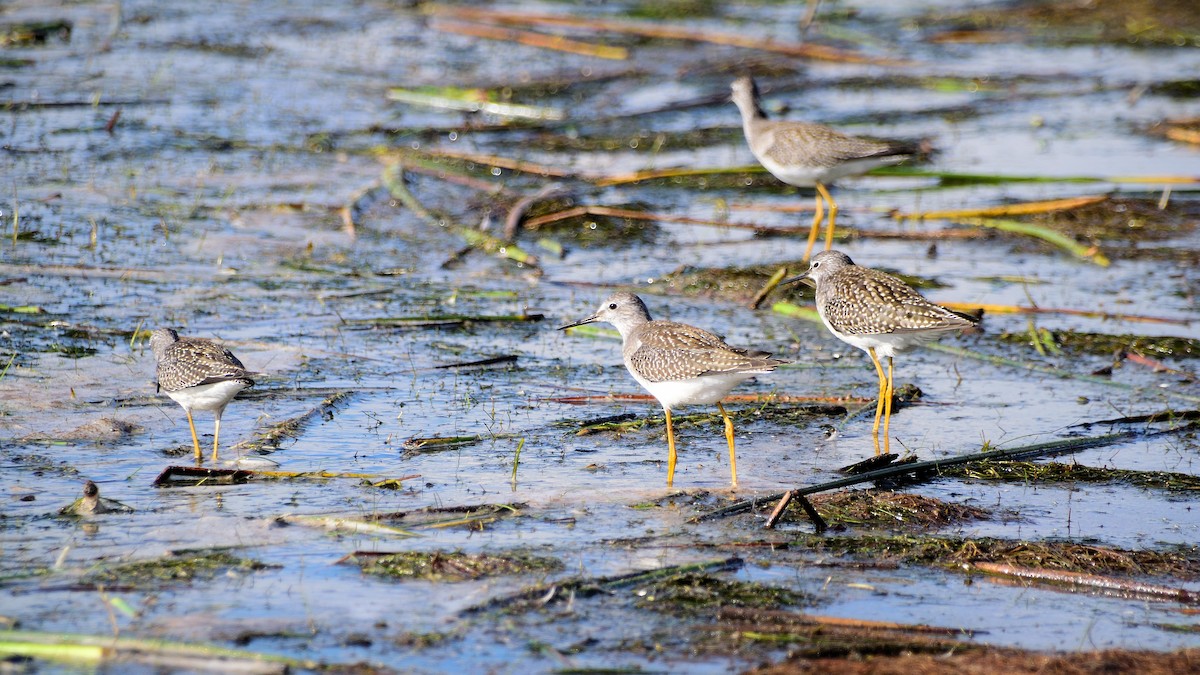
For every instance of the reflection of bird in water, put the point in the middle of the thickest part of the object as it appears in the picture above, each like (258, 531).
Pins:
(198, 374)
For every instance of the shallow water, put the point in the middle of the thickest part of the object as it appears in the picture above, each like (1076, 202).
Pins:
(214, 208)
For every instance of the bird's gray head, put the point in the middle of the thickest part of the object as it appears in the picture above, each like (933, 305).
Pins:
(162, 338)
(624, 310)
(823, 264)
(745, 94)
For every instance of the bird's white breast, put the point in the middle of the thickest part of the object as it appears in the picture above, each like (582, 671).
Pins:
(208, 396)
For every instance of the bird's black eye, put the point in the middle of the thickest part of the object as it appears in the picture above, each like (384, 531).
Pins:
(816, 265)
(612, 305)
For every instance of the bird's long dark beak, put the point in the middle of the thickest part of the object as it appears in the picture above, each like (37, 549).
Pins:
(803, 277)
(590, 319)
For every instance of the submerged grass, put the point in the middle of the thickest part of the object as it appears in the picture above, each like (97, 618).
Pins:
(269, 439)
(809, 637)
(184, 566)
(953, 552)
(1150, 23)
(778, 413)
(451, 566)
(741, 284)
(888, 509)
(1102, 344)
(699, 594)
(1057, 472)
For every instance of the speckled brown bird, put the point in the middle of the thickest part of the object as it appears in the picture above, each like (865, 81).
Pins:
(198, 374)
(679, 364)
(880, 315)
(811, 155)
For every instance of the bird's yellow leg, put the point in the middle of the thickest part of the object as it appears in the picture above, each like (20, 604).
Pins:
(816, 227)
(195, 439)
(833, 210)
(887, 410)
(670, 449)
(216, 435)
(729, 438)
(880, 403)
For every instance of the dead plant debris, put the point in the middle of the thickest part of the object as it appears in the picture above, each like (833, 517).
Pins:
(887, 509)
(1181, 562)
(1121, 220)
(981, 660)
(1149, 23)
(699, 594)
(1101, 344)
(817, 637)
(1057, 472)
(183, 566)
(740, 284)
(451, 566)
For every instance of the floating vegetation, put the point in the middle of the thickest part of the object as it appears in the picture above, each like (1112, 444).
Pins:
(780, 413)
(570, 589)
(1102, 344)
(178, 566)
(1122, 220)
(450, 566)
(809, 637)
(699, 594)
(741, 284)
(416, 445)
(887, 509)
(71, 351)
(965, 657)
(1189, 88)
(473, 100)
(469, 516)
(586, 229)
(953, 552)
(1150, 23)
(34, 33)
(269, 439)
(22, 309)
(1056, 472)
(74, 651)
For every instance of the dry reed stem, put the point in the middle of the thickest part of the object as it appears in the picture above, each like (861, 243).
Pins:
(532, 39)
(1023, 208)
(662, 31)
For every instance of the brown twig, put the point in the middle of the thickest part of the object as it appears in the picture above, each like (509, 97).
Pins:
(517, 213)
(779, 509)
(532, 39)
(1089, 581)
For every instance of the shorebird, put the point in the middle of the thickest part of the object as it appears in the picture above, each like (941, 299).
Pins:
(198, 374)
(679, 364)
(811, 155)
(880, 315)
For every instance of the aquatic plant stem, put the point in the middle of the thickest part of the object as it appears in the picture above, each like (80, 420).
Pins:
(1055, 447)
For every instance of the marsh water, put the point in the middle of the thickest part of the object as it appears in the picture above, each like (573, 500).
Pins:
(223, 170)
